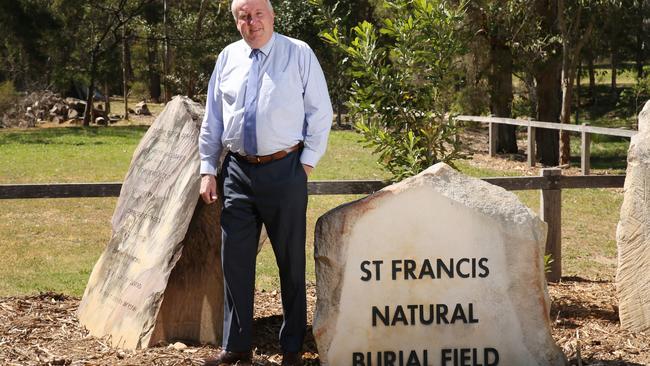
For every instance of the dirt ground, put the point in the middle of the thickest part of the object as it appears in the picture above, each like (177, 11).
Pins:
(43, 330)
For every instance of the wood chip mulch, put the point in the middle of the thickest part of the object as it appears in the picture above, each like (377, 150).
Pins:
(43, 330)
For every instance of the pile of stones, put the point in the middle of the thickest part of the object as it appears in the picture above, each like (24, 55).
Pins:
(46, 106)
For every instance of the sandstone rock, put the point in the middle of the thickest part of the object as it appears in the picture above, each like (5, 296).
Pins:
(633, 233)
(73, 114)
(437, 267)
(160, 277)
(179, 346)
(142, 109)
(76, 104)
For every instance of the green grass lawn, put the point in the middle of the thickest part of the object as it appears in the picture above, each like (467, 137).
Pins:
(52, 244)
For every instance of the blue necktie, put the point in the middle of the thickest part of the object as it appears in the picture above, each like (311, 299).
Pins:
(250, 105)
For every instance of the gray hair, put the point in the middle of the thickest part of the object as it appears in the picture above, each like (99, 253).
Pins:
(234, 2)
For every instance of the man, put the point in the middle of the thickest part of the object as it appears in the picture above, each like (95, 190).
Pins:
(268, 107)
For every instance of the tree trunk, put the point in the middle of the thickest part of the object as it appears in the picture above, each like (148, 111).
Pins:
(125, 74)
(565, 117)
(107, 95)
(166, 56)
(531, 92)
(153, 69)
(548, 110)
(572, 44)
(549, 93)
(614, 72)
(88, 112)
(640, 50)
(592, 76)
(339, 111)
(500, 80)
(578, 91)
(198, 28)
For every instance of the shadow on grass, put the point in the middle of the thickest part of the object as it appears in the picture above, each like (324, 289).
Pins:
(613, 162)
(73, 135)
(606, 108)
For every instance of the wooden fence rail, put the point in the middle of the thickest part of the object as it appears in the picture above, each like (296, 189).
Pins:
(585, 134)
(551, 182)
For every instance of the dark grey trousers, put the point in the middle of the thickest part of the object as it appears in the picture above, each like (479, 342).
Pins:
(274, 194)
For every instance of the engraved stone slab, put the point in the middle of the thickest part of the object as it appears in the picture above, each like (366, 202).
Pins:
(437, 270)
(633, 233)
(160, 275)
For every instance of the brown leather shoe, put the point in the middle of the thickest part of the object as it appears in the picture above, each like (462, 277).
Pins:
(229, 358)
(291, 359)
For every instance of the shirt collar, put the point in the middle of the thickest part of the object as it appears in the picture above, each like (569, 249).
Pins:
(266, 49)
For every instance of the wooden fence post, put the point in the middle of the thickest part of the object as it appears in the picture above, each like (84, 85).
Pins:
(585, 151)
(551, 213)
(531, 146)
(494, 136)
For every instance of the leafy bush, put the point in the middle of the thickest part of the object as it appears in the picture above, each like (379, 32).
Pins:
(8, 96)
(521, 107)
(405, 86)
(635, 96)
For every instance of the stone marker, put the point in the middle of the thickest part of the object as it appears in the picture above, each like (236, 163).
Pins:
(439, 269)
(633, 233)
(160, 277)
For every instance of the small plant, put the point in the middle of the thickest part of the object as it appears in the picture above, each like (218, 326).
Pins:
(634, 96)
(548, 260)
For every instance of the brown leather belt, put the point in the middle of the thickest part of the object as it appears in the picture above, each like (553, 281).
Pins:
(263, 159)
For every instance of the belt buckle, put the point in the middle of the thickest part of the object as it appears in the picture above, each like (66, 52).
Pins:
(257, 158)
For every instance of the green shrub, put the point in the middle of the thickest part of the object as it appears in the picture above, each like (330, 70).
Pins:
(405, 86)
(139, 90)
(8, 96)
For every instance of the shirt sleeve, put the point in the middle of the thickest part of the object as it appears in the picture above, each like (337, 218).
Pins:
(212, 126)
(318, 111)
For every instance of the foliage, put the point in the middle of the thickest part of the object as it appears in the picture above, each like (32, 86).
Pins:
(296, 18)
(404, 88)
(8, 95)
(342, 14)
(635, 95)
(192, 31)
(548, 260)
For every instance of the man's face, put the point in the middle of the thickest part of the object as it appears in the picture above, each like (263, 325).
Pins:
(254, 21)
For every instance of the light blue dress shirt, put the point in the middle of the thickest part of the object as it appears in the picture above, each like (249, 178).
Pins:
(293, 104)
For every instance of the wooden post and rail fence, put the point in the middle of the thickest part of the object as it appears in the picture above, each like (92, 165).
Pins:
(585, 131)
(551, 182)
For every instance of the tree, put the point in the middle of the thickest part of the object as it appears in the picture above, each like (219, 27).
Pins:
(404, 90)
(547, 71)
(27, 34)
(196, 33)
(151, 29)
(339, 17)
(499, 24)
(576, 22)
(103, 21)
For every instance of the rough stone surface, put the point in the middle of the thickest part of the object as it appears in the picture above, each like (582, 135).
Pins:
(72, 114)
(633, 233)
(160, 278)
(142, 109)
(438, 216)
